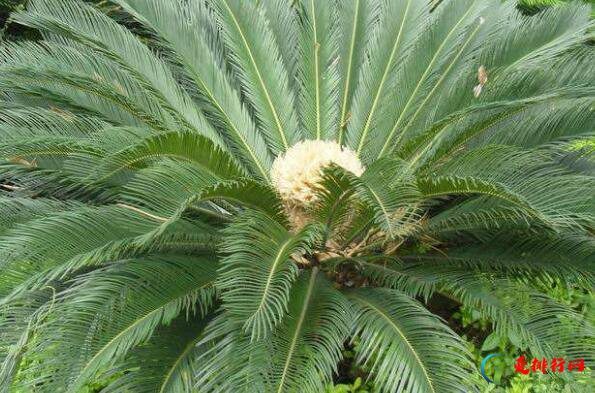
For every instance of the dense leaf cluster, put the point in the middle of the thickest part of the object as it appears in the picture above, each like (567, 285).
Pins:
(141, 239)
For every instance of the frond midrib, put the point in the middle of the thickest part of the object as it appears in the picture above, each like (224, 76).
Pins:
(298, 329)
(401, 334)
(348, 75)
(427, 98)
(382, 82)
(421, 79)
(259, 76)
(316, 47)
(278, 259)
(179, 359)
(131, 326)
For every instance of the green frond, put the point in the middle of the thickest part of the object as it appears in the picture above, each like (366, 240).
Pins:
(23, 279)
(574, 154)
(516, 68)
(190, 147)
(75, 241)
(56, 237)
(357, 24)
(566, 120)
(441, 39)
(564, 255)
(282, 19)
(407, 348)
(28, 122)
(531, 42)
(66, 57)
(106, 313)
(318, 76)
(257, 62)
(382, 198)
(479, 125)
(15, 210)
(16, 329)
(300, 355)
(201, 66)
(391, 196)
(335, 196)
(207, 198)
(249, 194)
(164, 186)
(307, 345)
(390, 44)
(24, 180)
(434, 187)
(542, 325)
(102, 98)
(46, 148)
(390, 272)
(257, 273)
(469, 217)
(229, 360)
(561, 197)
(161, 365)
(83, 23)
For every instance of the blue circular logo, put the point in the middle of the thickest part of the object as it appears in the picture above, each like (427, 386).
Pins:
(483, 363)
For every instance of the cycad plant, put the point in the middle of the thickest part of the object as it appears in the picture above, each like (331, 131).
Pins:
(219, 196)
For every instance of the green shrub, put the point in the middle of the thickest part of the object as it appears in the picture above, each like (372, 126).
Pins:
(235, 196)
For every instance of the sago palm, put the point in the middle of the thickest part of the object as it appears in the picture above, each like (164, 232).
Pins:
(219, 196)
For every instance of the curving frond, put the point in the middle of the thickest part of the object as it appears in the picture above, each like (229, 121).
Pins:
(564, 255)
(358, 21)
(201, 65)
(230, 361)
(190, 147)
(255, 54)
(73, 20)
(106, 313)
(318, 77)
(258, 272)
(407, 348)
(57, 237)
(300, 355)
(544, 326)
(307, 346)
(335, 196)
(160, 365)
(443, 186)
(562, 197)
(390, 194)
(15, 210)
